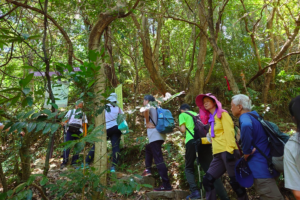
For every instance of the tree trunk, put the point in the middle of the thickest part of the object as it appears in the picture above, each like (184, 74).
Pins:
(155, 56)
(147, 55)
(199, 76)
(219, 51)
(2, 178)
(25, 161)
(251, 33)
(270, 81)
(100, 159)
(108, 46)
(213, 62)
(166, 51)
(273, 63)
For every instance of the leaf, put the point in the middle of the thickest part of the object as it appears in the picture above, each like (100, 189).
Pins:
(47, 112)
(20, 125)
(8, 125)
(93, 55)
(90, 94)
(54, 105)
(147, 185)
(3, 195)
(20, 187)
(61, 115)
(28, 114)
(69, 67)
(54, 128)
(26, 80)
(31, 127)
(15, 99)
(25, 35)
(20, 115)
(91, 83)
(10, 89)
(34, 37)
(47, 128)
(35, 115)
(13, 127)
(52, 115)
(40, 126)
(27, 101)
(26, 90)
(31, 179)
(44, 181)
(27, 67)
(24, 102)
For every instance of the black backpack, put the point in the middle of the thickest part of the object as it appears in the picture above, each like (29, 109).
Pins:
(200, 129)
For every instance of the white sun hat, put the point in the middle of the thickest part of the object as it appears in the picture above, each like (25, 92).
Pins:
(113, 97)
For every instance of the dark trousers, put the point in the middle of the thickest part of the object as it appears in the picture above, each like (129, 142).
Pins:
(218, 167)
(153, 151)
(114, 134)
(69, 136)
(205, 158)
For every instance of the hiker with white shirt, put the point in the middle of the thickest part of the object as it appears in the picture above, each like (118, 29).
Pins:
(113, 133)
(75, 127)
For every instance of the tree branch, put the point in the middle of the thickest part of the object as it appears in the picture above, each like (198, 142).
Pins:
(130, 11)
(279, 57)
(188, 6)
(81, 62)
(1, 17)
(63, 32)
(10, 57)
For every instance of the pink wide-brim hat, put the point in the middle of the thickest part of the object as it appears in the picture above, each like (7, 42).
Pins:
(204, 114)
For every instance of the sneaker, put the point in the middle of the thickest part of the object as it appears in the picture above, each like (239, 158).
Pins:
(162, 188)
(62, 166)
(112, 170)
(86, 166)
(194, 195)
(146, 173)
(75, 166)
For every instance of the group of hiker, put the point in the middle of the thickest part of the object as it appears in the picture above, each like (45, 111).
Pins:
(211, 140)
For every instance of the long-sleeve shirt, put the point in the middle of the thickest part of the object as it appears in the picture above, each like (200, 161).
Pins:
(252, 132)
(224, 139)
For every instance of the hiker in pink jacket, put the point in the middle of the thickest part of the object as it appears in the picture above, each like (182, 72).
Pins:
(225, 151)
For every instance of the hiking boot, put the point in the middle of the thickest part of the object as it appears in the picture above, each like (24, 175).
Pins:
(146, 173)
(194, 195)
(162, 188)
(62, 166)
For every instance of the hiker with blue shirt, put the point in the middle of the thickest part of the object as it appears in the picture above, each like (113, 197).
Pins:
(153, 149)
(253, 134)
(187, 125)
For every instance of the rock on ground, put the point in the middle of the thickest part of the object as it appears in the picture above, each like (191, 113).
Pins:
(175, 194)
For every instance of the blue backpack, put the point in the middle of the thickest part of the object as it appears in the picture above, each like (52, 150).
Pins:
(165, 121)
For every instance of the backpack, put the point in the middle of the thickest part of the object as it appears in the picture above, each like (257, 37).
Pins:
(75, 128)
(276, 138)
(165, 121)
(200, 129)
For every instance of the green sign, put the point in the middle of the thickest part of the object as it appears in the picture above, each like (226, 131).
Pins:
(119, 93)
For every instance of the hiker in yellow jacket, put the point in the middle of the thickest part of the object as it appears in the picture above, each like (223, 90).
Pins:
(222, 137)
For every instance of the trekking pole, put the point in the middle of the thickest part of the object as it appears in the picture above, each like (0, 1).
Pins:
(198, 166)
